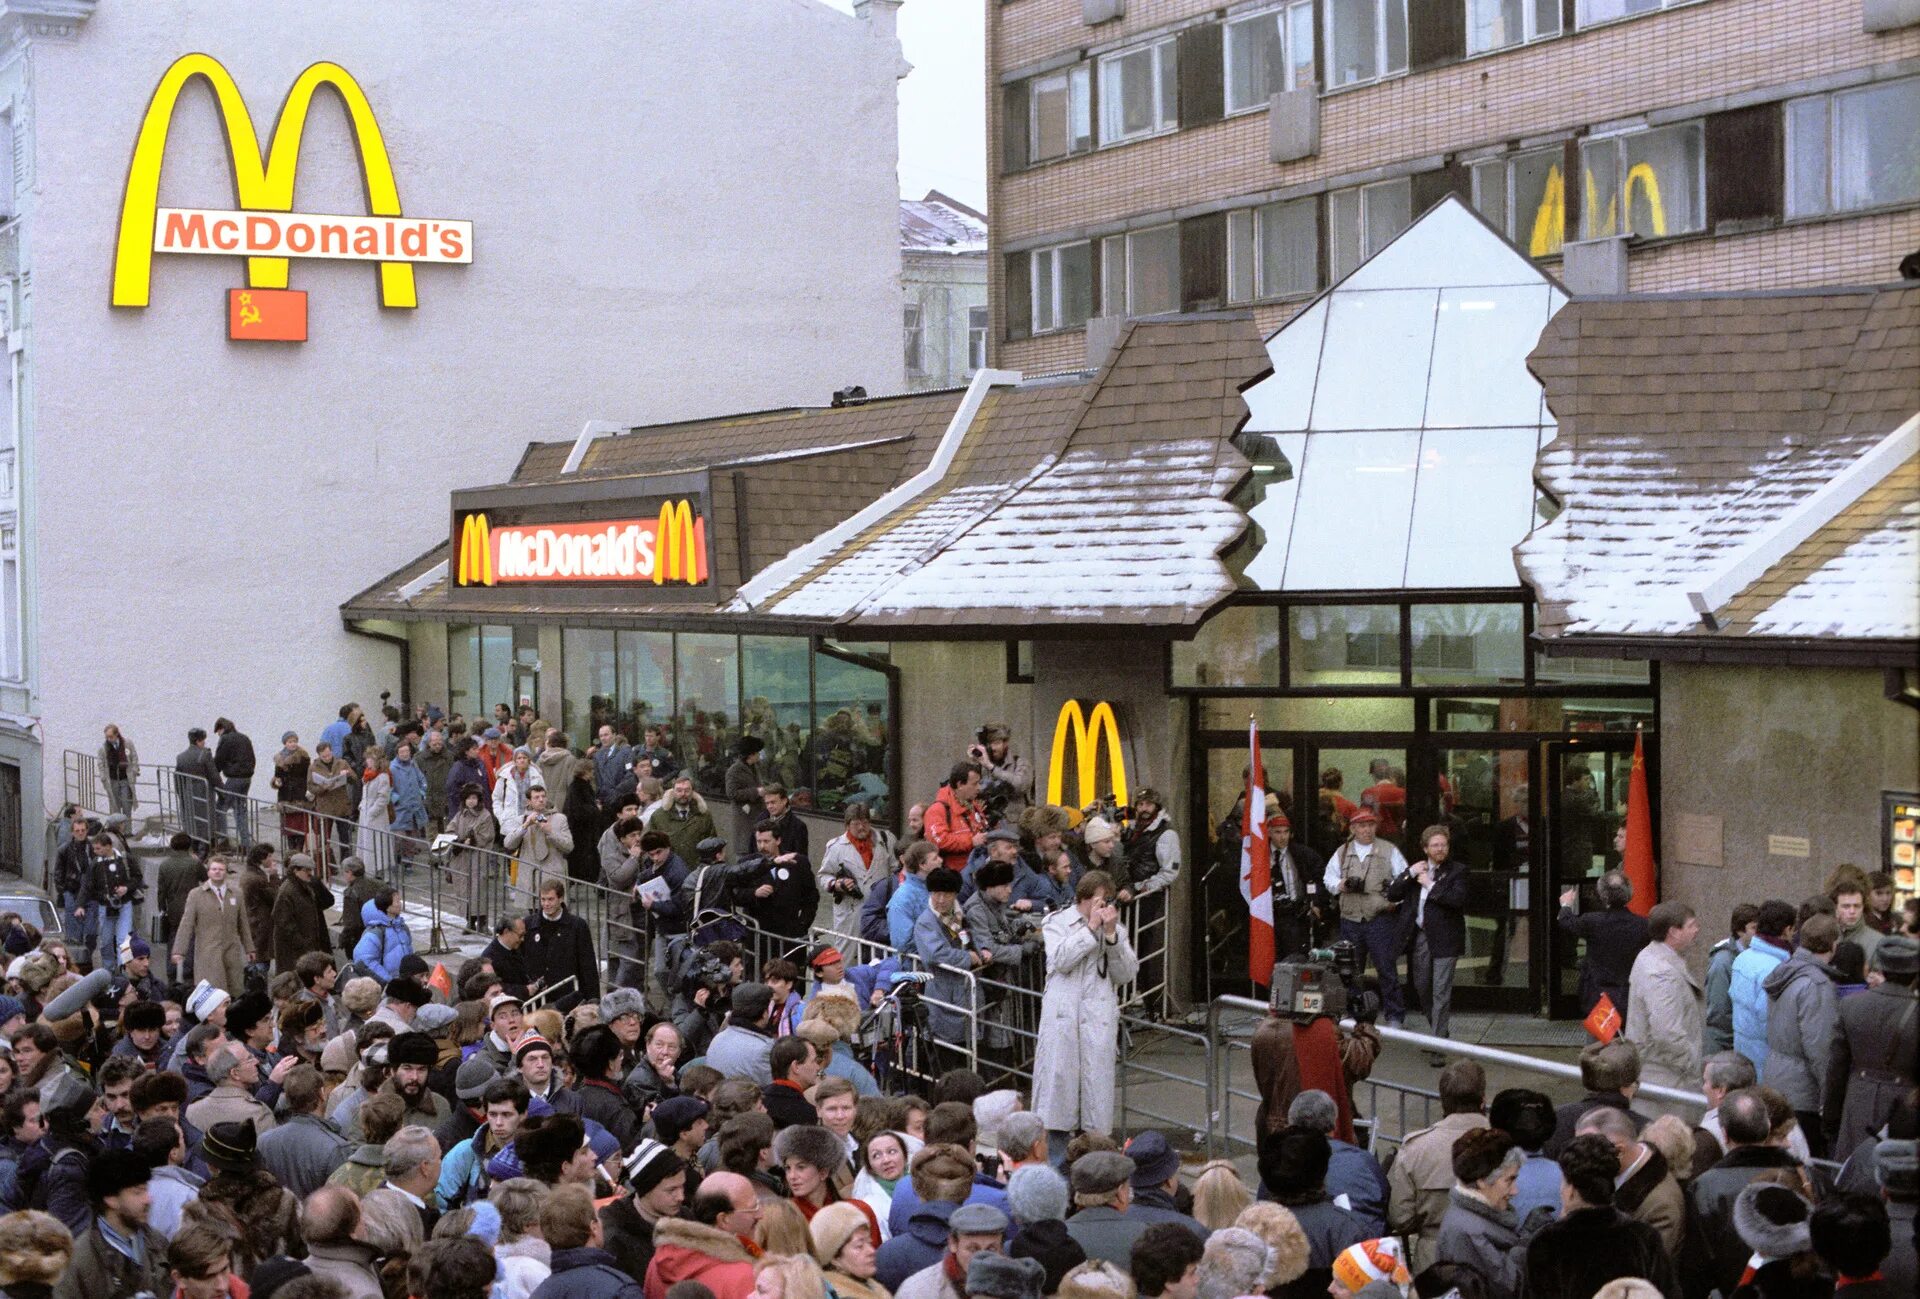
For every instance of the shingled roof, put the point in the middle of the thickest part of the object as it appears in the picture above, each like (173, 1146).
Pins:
(1691, 427)
(1091, 501)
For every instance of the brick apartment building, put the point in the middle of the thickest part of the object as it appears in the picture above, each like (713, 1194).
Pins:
(1180, 155)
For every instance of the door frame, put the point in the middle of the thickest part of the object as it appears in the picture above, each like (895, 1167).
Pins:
(1555, 947)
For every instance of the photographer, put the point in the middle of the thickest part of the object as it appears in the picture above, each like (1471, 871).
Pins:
(701, 992)
(1012, 938)
(116, 888)
(857, 862)
(1299, 893)
(541, 839)
(954, 824)
(1359, 872)
(992, 751)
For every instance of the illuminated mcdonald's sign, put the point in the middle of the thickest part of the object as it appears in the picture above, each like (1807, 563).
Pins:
(1087, 730)
(668, 548)
(264, 228)
(1549, 228)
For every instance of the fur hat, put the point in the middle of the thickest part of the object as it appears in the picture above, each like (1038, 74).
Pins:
(621, 1001)
(831, 1229)
(997, 1276)
(810, 1144)
(473, 1077)
(1044, 818)
(141, 1015)
(338, 1055)
(412, 1048)
(1772, 1221)
(402, 989)
(247, 1010)
(819, 1032)
(942, 879)
(992, 874)
(1288, 1252)
(361, 995)
(841, 1012)
(37, 970)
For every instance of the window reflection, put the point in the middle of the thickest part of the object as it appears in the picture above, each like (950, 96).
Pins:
(775, 709)
(1344, 645)
(851, 729)
(1239, 646)
(589, 682)
(1481, 341)
(1473, 500)
(1468, 642)
(709, 705)
(1373, 370)
(1350, 527)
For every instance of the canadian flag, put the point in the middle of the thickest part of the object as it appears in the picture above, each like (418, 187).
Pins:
(1256, 867)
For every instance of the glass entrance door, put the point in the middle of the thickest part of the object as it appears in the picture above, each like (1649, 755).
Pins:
(1484, 796)
(1586, 811)
(1220, 959)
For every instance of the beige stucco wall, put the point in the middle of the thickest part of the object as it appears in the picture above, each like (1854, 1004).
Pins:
(948, 689)
(1796, 752)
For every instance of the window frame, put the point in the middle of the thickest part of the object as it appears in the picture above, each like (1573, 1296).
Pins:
(1080, 73)
(1581, 21)
(1617, 141)
(1166, 90)
(1051, 255)
(1283, 12)
(1529, 15)
(979, 324)
(1262, 292)
(1122, 266)
(1381, 72)
(1829, 103)
(914, 338)
(13, 631)
(1509, 226)
(1334, 274)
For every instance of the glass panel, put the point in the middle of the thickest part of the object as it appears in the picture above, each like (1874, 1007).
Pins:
(1048, 114)
(1539, 201)
(1290, 713)
(1343, 232)
(1284, 399)
(1167, 87)
(1389, 211)
(1394, 14)
(709, 700)
(1593, 804)
(1113, 275)
(1076, 284)
(1877, 145)
(1238, 646)
(1276, 475)
(1494, 24)
(850, 736)
(1153, 271)
(1354, 778)
(1373, 369)
(1353, 41)
(588, 682)
(1480, 351)
(1300, 46)
(1043, 287)
(1546, 17)
(1289, 248)
(1490, 194)
(1600, 188)
(1451, 544)
(1255, 64)
(1486, 804)
(774, 675)
(1240, 256)
(1225, 940)
(1807, 161)
(1350, 528)
(496, 667)
(1344, 645)
(1541, 713)
(1127, 104)
(1468, 642)
(463, 671)
(646, 681)
(1665, 181)
(1023, 659)
(1625, 672)
(1080, 106)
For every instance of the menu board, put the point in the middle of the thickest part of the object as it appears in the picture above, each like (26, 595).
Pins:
(1900, 823)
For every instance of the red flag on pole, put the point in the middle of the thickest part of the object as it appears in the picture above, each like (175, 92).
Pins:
(1637, 861)
(1256, 867)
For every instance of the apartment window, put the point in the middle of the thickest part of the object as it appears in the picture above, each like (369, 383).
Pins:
(1267, 53)
(1059, 114)
(976, 339)
(1139, 92)
(1496, 24)
(1854, 149)
(1363, 220)
(1525, 197)
(1062, 286)
(1649, 183)
(1273, 251)
(1140, 272)
(12, 663)
(1605, 11)
(916, 359)
(1366, 40)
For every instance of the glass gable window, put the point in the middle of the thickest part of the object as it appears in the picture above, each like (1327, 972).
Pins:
(1366, 40)
(1239, 646)
(1363, 220)
(1497, 24)
(1479, 643)
(1649, 183)
(1854, 149)
(1140, 272)
(1273, 251)
(1062, 287)
(1343, 645)
(1268, 52)
(1525, 197)
(1060, 114)
(1139, 92)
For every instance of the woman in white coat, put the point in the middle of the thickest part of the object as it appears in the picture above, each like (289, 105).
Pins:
(1088, 960)
(373, 842)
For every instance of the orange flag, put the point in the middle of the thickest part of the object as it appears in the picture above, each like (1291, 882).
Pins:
(441, 982)
(1637, 861)
(1603, 1021)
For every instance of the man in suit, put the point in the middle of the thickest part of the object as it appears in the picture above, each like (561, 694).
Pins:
(1299, 892)
(1436, 886)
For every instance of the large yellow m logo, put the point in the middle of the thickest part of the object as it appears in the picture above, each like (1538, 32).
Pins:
(474, 562)
(261, 186)
(682, 546)
(1086, 730)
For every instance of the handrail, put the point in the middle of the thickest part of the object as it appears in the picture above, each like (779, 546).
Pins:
(1452, 1046)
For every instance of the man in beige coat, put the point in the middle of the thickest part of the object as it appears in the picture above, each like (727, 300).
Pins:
(1422, 1173)
(213, 940)
(234, 1074)
(1666, 1004)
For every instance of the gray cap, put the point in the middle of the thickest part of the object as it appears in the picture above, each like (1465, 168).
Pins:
(435, 1020)
(1897, 954)
(1003, 834)
(473, 1077)
(976, 1219)
(750, 1003)
(995, 1276)
(1100, 1171)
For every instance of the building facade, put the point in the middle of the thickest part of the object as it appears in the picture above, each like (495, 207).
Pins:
(582, 206)
(943, 273)
(1153, 156)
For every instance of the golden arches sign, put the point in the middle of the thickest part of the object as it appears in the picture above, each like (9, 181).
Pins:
(475, 559)
(682, 545)
(259, 185)
(1087, 730)
(1549, 229)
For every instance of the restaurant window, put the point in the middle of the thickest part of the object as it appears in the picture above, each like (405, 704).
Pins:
(1343, 645)
(774, 706)
(1854, 149)
(1366, 40)
(1059, 114)
(1524, 197)
(1268, 52)
(1273, 251)
(1141, 272)
(1363, 220)
(1238, 646)
(463, 670)
(915, 340)
(1139, 92)
(1462, 643)
(1062, 286)
(1552, 670)
(976, 339)
(646, 682)
(1647, 183)
(589, 682)
(1497, 24)
(707, 679)
(851, 726)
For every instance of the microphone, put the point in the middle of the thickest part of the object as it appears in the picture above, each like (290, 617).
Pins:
(74, 999)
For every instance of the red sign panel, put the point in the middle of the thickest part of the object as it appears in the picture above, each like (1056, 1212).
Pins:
(267, 315)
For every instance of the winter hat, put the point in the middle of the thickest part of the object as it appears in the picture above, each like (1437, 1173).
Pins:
(810, 1144)
(231, 1147)
(435, 1020)
(1154, 1160)
(653, 841)
(750, 1003)
(1036, 1193)
(675, 1115)
(403, 989)
(1371, 1261)
(247, 1010)
(338, 1056)
(819, 1032)
(1772, 1221)
(360, 995)
(114, 1171)
(621, 1001)
(1049, 1244)
(135, 948)
(140, 1015)
(831, 1229)
(650, 1164)
(1288, 1252)
(413, 966)
(500, 999)
(976, 1220)
(412, 1048)
(531, 1042)
(997, 1276)
(992, 874)
(941, 879)
(473, 1077)
(204, 1000)
(1100, 1172)
(272, 1273)
(1897, 954)
(17, 942)
(841, 1012)
(1096, 829)
(486, 1222)
(10, 1006)
(66, 1101)
(1003, 834)
(505, 1165)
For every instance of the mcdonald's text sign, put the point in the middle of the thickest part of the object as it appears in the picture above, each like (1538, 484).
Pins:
(670, 547)
(1086, 731)
(263, 227)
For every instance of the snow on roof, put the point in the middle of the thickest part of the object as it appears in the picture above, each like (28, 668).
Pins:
(940, 224)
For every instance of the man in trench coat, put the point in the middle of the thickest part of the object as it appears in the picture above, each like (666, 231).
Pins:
(214, 941)
(1088, 961)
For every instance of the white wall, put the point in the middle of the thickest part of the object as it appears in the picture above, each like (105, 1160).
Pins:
(680, 207)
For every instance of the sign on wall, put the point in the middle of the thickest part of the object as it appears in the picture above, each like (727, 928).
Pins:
(264, 228)
(1084, 732)
(670, 547)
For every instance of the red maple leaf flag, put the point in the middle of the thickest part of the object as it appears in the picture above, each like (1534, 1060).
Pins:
(1256, 868)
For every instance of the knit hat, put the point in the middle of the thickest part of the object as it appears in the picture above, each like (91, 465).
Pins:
(204, 1000)
(621, 1001)
(135, 948)
(486, 1222)
(1358, 1266)
(673, 1116)
(408, 991)
(231, 1147)
(810, 1144)
(338, 1055)
(436, 1020)
(1048, 1242)
(750, 1003)
(1154, 1159)
(976, 1220)
(412, 1048)
(360, 995)
(650, 1164)
(413, 966)
(1897, 954)
(272, 1273)
(10, 1006)
(831, 1229)
(473, 1077)
(996, 1276)
(1772, 1221)
(66, 1101)
(1096, 829)
(531, 1042)
(1100, 1171)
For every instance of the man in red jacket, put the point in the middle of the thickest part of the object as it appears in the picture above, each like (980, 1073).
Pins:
(712, 1244)
(954, 825)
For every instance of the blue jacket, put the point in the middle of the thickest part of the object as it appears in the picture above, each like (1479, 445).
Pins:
(906, 1203)
(903, 911)
(335, 734)
(460, 1171)
(587, 1274)
(1750, 970)
(609, 765)
(384, 942)
(841, 1064)
(922, 1244)
(1354, 1173)
(1039, 889)
(1537, 1186)
(409, 795)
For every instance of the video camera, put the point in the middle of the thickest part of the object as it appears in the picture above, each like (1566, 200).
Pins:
(1327, 983)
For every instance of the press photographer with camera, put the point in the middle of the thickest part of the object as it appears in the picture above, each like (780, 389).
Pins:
(955, 825)
(116, 888)
(1302, 1046)
(992, 750)
(1359, 873)
(856, 862)
(1299, 890)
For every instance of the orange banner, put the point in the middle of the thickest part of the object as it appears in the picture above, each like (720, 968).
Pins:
(267, 315)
